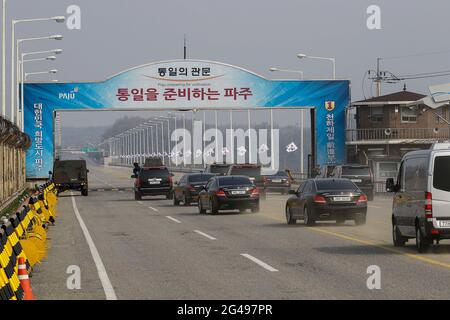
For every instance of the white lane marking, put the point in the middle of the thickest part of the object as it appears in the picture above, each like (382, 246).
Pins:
(376, 207)
(259, 262)
(154, 209)
(104, 279)
(121, 191)
(205, 235)
(173, 219)
(140, 202)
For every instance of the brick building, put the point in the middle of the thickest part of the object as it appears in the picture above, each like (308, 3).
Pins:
(382, 129)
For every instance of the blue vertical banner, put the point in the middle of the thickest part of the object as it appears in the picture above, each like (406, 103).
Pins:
(185, 84)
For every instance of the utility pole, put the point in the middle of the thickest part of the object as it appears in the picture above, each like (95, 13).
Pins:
(378, 78)
(185, 49)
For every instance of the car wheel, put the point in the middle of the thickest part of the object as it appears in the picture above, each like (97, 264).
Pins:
(360, 220)
(200, 208)
(289, 218)
(186, 201)
(84, 192)
(176, 202)
(255, 209)
(397, 238)
(214, 207)
(137, 195)
(307, 218)
(422, 243)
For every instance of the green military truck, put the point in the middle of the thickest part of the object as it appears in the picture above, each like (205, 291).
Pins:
(70, 175)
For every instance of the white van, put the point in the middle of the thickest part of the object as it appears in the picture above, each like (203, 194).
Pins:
(421, 205)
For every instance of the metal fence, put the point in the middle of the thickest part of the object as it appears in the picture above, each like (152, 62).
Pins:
(13, 145)
(398, 133)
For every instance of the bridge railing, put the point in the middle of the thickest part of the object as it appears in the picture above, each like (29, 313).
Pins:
(13, 145)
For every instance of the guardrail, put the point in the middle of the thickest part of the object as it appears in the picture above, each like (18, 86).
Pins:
(353, 135)
(23, 237)
(13, 145)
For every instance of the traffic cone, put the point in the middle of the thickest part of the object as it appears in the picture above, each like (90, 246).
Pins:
(25, 281)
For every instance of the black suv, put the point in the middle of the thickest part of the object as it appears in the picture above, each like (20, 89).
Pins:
(361, 175)
(153, 181)
(253, 171)
(219, 169)
(70, 175)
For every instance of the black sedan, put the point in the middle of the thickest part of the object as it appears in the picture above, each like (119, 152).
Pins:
(229, 193)
(189, 186)
(327, 199)
(279, 182)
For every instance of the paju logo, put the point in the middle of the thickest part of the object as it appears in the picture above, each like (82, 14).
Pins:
(329, 105)
(68, 95)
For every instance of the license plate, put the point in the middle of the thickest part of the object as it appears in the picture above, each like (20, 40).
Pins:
(356, 180)
(341, 199)
(444, 224)
(276, 180)
(154, 181)
(238, 192)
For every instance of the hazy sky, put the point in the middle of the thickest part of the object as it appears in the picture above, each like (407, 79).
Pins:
(254, 34)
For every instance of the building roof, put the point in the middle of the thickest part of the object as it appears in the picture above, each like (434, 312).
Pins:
(401, 97)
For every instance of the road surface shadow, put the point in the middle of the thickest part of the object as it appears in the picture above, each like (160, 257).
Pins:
(355, 250)
(300, 224)
(69, 195)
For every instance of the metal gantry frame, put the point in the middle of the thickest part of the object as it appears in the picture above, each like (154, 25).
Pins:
(153, 137)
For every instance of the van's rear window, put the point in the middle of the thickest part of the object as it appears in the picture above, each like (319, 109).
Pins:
(441, 173)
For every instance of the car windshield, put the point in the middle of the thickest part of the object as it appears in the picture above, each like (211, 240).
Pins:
(234, 181)
(153, 173)
(200, 178)
(441, 173)
(280, 174)
(246, 171)
(219, 169)
(355, 171)
(332, 184)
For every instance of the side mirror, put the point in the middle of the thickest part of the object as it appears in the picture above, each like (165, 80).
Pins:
(50, 172)
(293, 192)
(133, 176)
(172, 175)
(390, 185)
(87, 170)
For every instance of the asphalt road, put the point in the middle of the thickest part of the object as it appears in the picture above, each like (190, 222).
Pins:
(150, 249)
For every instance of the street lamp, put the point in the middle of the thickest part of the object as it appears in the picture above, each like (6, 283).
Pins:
(21, 68)
(288, 71)
(58, 19)
(333, 61)
(15, 84)
(53, 71)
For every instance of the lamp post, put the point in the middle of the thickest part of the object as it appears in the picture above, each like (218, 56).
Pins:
(288, 71)
(58, 19)
(333, 61)
(168, 135)
(175, 128)
(15, 59)
(21, 68)
(27, 74)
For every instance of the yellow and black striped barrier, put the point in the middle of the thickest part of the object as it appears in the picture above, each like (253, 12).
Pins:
(24, 236)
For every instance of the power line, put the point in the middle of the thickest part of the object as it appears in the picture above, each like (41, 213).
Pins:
(416, 55)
